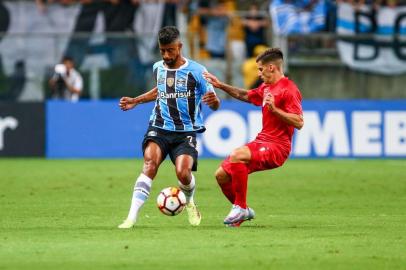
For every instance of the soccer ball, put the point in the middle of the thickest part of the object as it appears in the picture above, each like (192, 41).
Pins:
(171, 201)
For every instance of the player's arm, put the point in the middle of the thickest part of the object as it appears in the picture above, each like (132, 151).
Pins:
(293, 119)
(71, 88)
(128, 103)
(211, 100)
(235, 92)
(52, 83)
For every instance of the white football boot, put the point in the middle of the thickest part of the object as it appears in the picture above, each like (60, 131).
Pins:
(193, 213)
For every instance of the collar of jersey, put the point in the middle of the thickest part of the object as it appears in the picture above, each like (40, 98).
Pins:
(182, 66)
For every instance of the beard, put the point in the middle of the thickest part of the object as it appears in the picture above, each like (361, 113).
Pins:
(171, 62)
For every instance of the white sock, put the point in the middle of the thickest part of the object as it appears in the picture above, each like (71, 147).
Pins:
(140, 195)
(189, 190)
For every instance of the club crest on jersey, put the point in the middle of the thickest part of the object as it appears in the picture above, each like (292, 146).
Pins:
(170, 81)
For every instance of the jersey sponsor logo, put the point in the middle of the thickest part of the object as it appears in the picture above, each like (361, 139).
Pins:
(170, 81)
(165, 95)
(161, 80)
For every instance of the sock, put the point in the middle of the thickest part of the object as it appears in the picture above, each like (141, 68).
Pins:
(140, 195)
(239, 176)
(227, 189)
(189, 190)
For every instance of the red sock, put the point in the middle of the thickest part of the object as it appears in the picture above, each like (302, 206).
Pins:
(239, 176)
(228, 191)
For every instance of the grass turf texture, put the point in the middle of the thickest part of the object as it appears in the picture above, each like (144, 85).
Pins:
(311, 214)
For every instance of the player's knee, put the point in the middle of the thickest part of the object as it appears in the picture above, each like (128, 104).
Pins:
(221, 176)
(236, 156)
(150, 167)
(241, 154)
(183, 175)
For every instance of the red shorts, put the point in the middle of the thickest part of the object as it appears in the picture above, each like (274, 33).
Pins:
(264, 156)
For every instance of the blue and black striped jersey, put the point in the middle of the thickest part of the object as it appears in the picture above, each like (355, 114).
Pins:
(180, 91)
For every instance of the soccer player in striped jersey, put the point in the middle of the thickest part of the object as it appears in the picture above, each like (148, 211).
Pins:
(175, 120)
(281, 104)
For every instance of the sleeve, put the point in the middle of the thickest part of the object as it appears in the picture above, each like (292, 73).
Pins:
(155, 72)
(255, 96)
(205, 86)
(293, 101)
(155, 67)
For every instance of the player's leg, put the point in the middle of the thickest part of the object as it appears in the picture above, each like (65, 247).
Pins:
(183, 169)
(153, 157)
(152, 160)
(183, 166)
(224, 181)
(263, 156)
(184, 155)
(239, 174)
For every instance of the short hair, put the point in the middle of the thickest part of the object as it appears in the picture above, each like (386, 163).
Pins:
(168, 34)
(67, 58)
(270, 55)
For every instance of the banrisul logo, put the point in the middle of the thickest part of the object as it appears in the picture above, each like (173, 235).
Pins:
(8, 122)
(165, 95)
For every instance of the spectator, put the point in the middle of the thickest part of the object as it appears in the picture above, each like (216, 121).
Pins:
(4, 25)
(4, 18)
(235, 37)
(170, 10)
(249, 69)
(217, 21)
(197, 28)
(118, 17)
(66, 83)
(255, 25)
(17, 81)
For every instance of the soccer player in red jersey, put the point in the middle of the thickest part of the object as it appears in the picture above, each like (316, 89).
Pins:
(280, 100)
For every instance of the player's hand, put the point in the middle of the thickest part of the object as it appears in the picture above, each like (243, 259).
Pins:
(211, 100)
(270, 102)
(212, 79)
(127, 103)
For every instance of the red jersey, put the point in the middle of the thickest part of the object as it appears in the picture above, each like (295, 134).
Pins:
(288, 98)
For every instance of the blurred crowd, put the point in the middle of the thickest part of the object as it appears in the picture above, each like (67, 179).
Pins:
(232, 30)
(219, 26)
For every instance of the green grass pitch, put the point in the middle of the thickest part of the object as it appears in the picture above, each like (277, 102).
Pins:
(311, 214)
